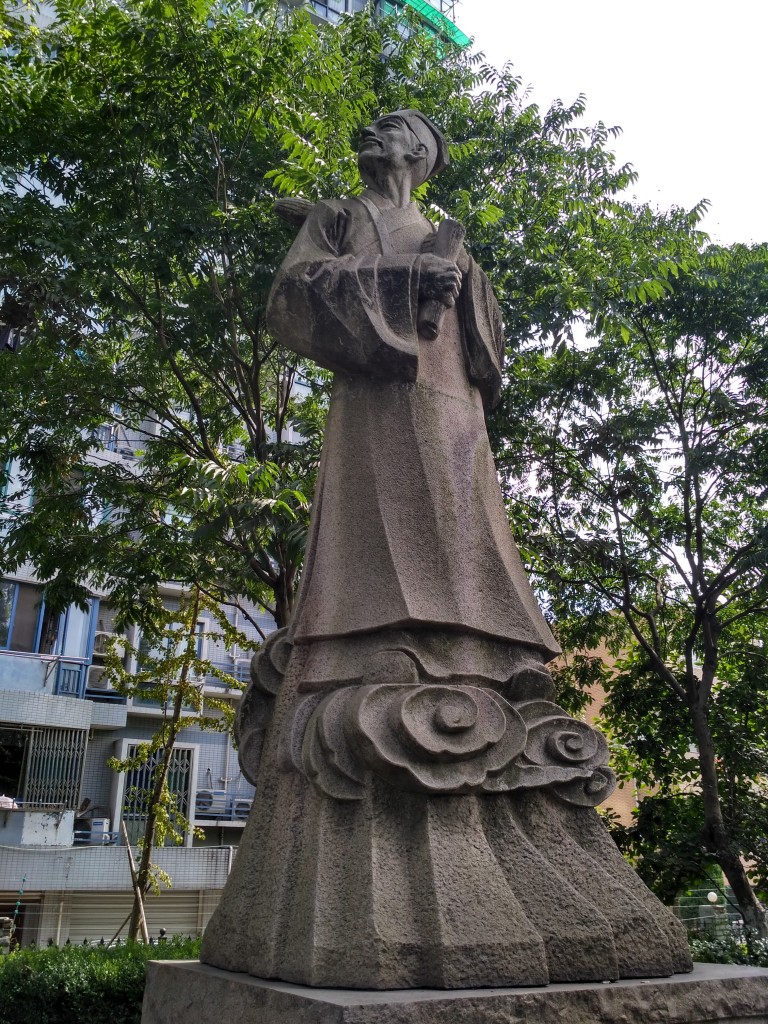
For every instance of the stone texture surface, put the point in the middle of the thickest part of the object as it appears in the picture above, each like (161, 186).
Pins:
(424, 811)
(395, 888)
(178, 993)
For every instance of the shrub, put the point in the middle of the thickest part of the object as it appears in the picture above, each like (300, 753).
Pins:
(75, 984)
(730, 949)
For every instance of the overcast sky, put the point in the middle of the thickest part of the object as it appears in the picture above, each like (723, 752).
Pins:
(687, 81)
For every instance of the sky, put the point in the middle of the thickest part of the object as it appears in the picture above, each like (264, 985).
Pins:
(685, 80)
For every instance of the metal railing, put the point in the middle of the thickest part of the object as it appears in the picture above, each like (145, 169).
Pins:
(70, 677)
(240, 671)
(84, 837)
(213, 806)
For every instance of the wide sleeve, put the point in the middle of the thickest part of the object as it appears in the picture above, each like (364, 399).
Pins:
(483, 334)
(344, 305)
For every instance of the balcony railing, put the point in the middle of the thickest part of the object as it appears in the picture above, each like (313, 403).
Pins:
(70, 677)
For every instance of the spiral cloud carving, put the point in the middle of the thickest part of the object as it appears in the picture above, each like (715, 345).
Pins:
(451, 739)
(443, 739)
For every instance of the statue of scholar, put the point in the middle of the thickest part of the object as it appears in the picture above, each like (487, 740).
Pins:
(424, 811)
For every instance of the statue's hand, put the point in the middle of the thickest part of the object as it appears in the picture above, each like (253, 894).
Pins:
(462, 260)
(439, 279)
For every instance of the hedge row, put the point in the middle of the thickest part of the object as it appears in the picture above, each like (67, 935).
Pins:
(730, 949)
(96, 985)
(82, 984)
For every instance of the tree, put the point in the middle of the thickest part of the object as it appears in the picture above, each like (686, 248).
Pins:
(170, 673)
(145, 144)
(645, 447)
(141, 237)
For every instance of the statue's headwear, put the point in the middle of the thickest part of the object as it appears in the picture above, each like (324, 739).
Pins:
(436, 156)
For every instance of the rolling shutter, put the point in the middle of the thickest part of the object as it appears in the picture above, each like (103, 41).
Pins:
(98, 915)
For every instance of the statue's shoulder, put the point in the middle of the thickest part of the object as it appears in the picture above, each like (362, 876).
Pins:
(295, 210)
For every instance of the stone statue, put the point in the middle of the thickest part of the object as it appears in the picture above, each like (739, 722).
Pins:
(424, 811)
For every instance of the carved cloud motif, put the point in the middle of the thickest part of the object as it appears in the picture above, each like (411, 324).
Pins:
(442, 739)
(451, 739)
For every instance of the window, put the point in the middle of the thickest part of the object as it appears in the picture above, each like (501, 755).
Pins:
(13, 744)
(24, 619)
(139, 783)
(7, 600)
(76, 631)
(54, 767)
(29, 627)
(42, 767)
(49, 632)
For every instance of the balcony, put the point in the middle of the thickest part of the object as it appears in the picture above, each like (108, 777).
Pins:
(220, 807)
(42, 673)
(48, 691)
(21, 825)
(86, 868)
(27, 673)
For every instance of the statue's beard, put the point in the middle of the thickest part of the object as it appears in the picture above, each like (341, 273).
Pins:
(372, 167)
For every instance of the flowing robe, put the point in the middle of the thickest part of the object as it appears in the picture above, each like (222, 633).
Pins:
(351, 874)
(408, 530)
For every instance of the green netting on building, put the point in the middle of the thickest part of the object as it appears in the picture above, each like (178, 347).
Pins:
(441, 25)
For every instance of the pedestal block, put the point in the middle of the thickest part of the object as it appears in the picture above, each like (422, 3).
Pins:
(187, 992)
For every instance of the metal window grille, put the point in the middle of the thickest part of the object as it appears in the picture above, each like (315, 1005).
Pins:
(54, 767)
(139, 783)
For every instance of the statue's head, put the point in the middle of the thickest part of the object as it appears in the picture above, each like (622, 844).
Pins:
(400, 143)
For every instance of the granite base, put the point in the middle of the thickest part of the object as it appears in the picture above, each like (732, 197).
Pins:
(187, 992)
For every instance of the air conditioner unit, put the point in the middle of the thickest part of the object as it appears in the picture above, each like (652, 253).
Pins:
(98, 679)
(100, 831)
(241, 808)
(93, 832)
(211, 803)
(101, 640)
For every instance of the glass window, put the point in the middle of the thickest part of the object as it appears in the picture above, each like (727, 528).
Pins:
(7, 594)
(49, 633)
(25, 619)
(76, 632)
(20, 625)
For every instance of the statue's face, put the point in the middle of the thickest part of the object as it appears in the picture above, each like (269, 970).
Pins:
(387, 146)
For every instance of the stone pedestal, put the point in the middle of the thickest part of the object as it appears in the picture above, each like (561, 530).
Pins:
(188, 992)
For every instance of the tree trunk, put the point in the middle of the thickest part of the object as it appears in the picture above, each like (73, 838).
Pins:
(716, 837)
(161, 774)
(284, 597)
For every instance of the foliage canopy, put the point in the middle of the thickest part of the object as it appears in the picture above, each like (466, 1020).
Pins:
(145, 145)
(646, 447)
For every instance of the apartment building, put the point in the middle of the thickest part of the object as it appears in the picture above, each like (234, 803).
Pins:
(64, 871)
